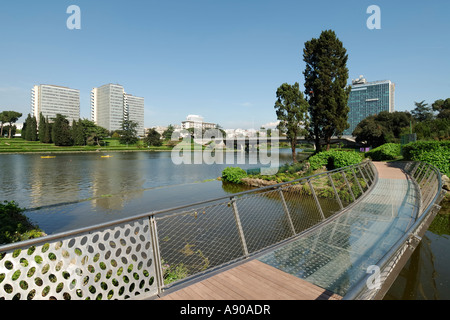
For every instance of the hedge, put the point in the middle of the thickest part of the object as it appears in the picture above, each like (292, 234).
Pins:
(388, 151)
(436, 153)
(335, 159)
(233, 174)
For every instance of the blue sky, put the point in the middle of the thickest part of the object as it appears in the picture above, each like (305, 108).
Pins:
(222, 59)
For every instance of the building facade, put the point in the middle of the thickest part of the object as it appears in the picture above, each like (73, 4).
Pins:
(134, 108)
(369, 98)
(110, 105)
(51, 100)
(196, 122)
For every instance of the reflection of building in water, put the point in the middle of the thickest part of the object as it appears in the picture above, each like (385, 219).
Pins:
(417, 280)
(54, 181)
(114, 184)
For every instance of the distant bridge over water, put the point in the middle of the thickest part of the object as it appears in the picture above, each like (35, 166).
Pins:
(343, 234)
(243, 143)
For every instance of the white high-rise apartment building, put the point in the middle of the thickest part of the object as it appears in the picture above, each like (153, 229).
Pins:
(51, 100)
(110, 105)
(134, 108)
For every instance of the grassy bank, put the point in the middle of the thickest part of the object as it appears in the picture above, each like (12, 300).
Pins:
(18, 145)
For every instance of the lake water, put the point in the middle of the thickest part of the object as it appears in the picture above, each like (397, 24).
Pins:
(74, 191)
(78, 190)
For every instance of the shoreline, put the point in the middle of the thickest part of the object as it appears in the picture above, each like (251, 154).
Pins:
(80, 151)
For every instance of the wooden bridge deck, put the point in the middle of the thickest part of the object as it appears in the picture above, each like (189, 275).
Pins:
(253, 280)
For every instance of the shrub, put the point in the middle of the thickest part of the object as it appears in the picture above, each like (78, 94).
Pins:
(388, 151)
(233, 174)
(436, 153)
(335, 159)
(14, 226)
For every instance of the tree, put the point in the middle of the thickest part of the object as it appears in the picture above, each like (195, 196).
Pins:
(48, 131)
(61, 131)
(443, 108)
(167, 134)
(10, 117)
(77, 133)
(153, 138)
(370, 132)
(30, 131)
(128, 134)
(422, 112)
(86, 130)
(3, 120)
(42, 128)
(383, 128)
(291, 108)
(326, 77)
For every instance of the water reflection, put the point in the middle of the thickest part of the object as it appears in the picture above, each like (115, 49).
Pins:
(426, 275)
(78, 190)
(111, 177)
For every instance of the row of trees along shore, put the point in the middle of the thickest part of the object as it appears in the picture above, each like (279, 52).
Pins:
(428, 122)
(321, 112)
(83, 132)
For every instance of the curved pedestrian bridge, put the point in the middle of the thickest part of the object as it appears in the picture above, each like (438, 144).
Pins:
(330, 260)
(343, 234)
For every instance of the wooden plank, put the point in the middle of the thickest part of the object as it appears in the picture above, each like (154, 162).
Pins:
(253, 280)
(232, 293)
(290, 283)
(261, 284)
(276, 280)
(230, 280)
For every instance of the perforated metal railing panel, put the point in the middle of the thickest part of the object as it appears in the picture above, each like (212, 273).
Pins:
(111, 263)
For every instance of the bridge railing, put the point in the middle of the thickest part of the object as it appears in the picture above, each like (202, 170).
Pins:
(139, 257)
(427, 180)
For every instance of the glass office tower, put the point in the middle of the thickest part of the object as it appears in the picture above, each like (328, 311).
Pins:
(369, 98)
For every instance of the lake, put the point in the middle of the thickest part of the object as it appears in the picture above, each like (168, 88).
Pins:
(79, 190)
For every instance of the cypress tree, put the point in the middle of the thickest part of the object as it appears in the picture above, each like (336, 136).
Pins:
(41, 128)
(33, 129)
(326, 89)
(48, 132)
(28, 128)
(61, 131)
(24, 130)
(78, 133)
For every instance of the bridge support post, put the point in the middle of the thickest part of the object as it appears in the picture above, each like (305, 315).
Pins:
(286, 210)
(363, 176)
(156, 255)
(239, 226)
(316, 199)
(367, 174)
(357, 181)
(335, 191)
(348, 186)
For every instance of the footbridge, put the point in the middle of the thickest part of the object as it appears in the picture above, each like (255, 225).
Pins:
(342, 234)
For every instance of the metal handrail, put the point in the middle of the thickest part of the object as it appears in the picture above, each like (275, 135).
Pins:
(123, 241)
(410, 240)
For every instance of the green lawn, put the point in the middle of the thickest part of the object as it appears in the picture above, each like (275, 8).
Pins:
(20, 145)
